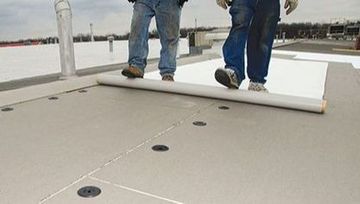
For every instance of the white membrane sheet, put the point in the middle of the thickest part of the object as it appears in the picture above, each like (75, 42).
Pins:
(354, 60)
(292, 84)
(286, 77)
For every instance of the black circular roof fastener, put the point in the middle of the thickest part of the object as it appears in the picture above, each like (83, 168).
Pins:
(160, 148)
(224, 108)
(53, 98)
(199, 123)
(83, 91)
(89, 192)
(7, 109)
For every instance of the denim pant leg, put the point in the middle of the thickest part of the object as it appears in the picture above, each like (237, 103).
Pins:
(241, 12)
(261, 38)
(167, 17)
(139, 34)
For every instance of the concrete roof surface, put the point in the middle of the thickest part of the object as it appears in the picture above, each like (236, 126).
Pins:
(103, 137)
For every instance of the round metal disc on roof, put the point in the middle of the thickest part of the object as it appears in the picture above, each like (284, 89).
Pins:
(224, 108)
(160, 148)
(53, 98)
(7, 109)
(89, 192)
(199, 123)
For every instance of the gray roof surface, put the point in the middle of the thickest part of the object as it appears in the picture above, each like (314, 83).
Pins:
(247, 154)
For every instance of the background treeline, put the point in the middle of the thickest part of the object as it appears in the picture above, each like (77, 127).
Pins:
(293, 30)
(87, 37)
(152, 35)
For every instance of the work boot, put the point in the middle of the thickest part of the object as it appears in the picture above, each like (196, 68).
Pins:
(168, 77)
(259, 87)
(227, 77)
(132, 72)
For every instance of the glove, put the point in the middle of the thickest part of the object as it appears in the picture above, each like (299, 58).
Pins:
(181, 2)
(291, 5)
(223, 3)
(132, 1)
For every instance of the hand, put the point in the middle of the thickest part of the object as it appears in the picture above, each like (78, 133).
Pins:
(223, 3)
(181, 2)
(291, 5)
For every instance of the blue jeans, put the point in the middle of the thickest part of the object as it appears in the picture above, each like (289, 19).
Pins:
(167, 15)
(253, 22)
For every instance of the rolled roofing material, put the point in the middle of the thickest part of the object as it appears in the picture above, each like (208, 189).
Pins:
(268, 99)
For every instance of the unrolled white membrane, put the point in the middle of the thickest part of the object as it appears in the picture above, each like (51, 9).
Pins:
(286, 77)
(354, 60)
(268, 99)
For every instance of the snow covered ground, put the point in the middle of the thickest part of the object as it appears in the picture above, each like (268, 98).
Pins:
(29, 61)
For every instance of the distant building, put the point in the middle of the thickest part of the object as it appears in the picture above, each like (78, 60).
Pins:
(352, 31)
(345, 31)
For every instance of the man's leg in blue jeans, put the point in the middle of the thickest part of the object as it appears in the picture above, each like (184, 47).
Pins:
(167, 17)
(139, 35)
(261, 38)
(242, 12)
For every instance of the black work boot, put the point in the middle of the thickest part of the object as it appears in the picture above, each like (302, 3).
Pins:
(227, 77)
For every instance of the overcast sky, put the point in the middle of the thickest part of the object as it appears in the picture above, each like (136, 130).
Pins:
(36, 18)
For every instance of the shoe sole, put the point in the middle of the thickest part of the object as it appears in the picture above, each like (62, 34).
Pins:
(168, 79)
(262, 91)
(223, 78)
(129, 74)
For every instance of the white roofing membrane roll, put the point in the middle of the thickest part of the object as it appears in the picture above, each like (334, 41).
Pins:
(267, 99)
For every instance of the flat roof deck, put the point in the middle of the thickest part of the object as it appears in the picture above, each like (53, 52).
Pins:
(49, 149)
